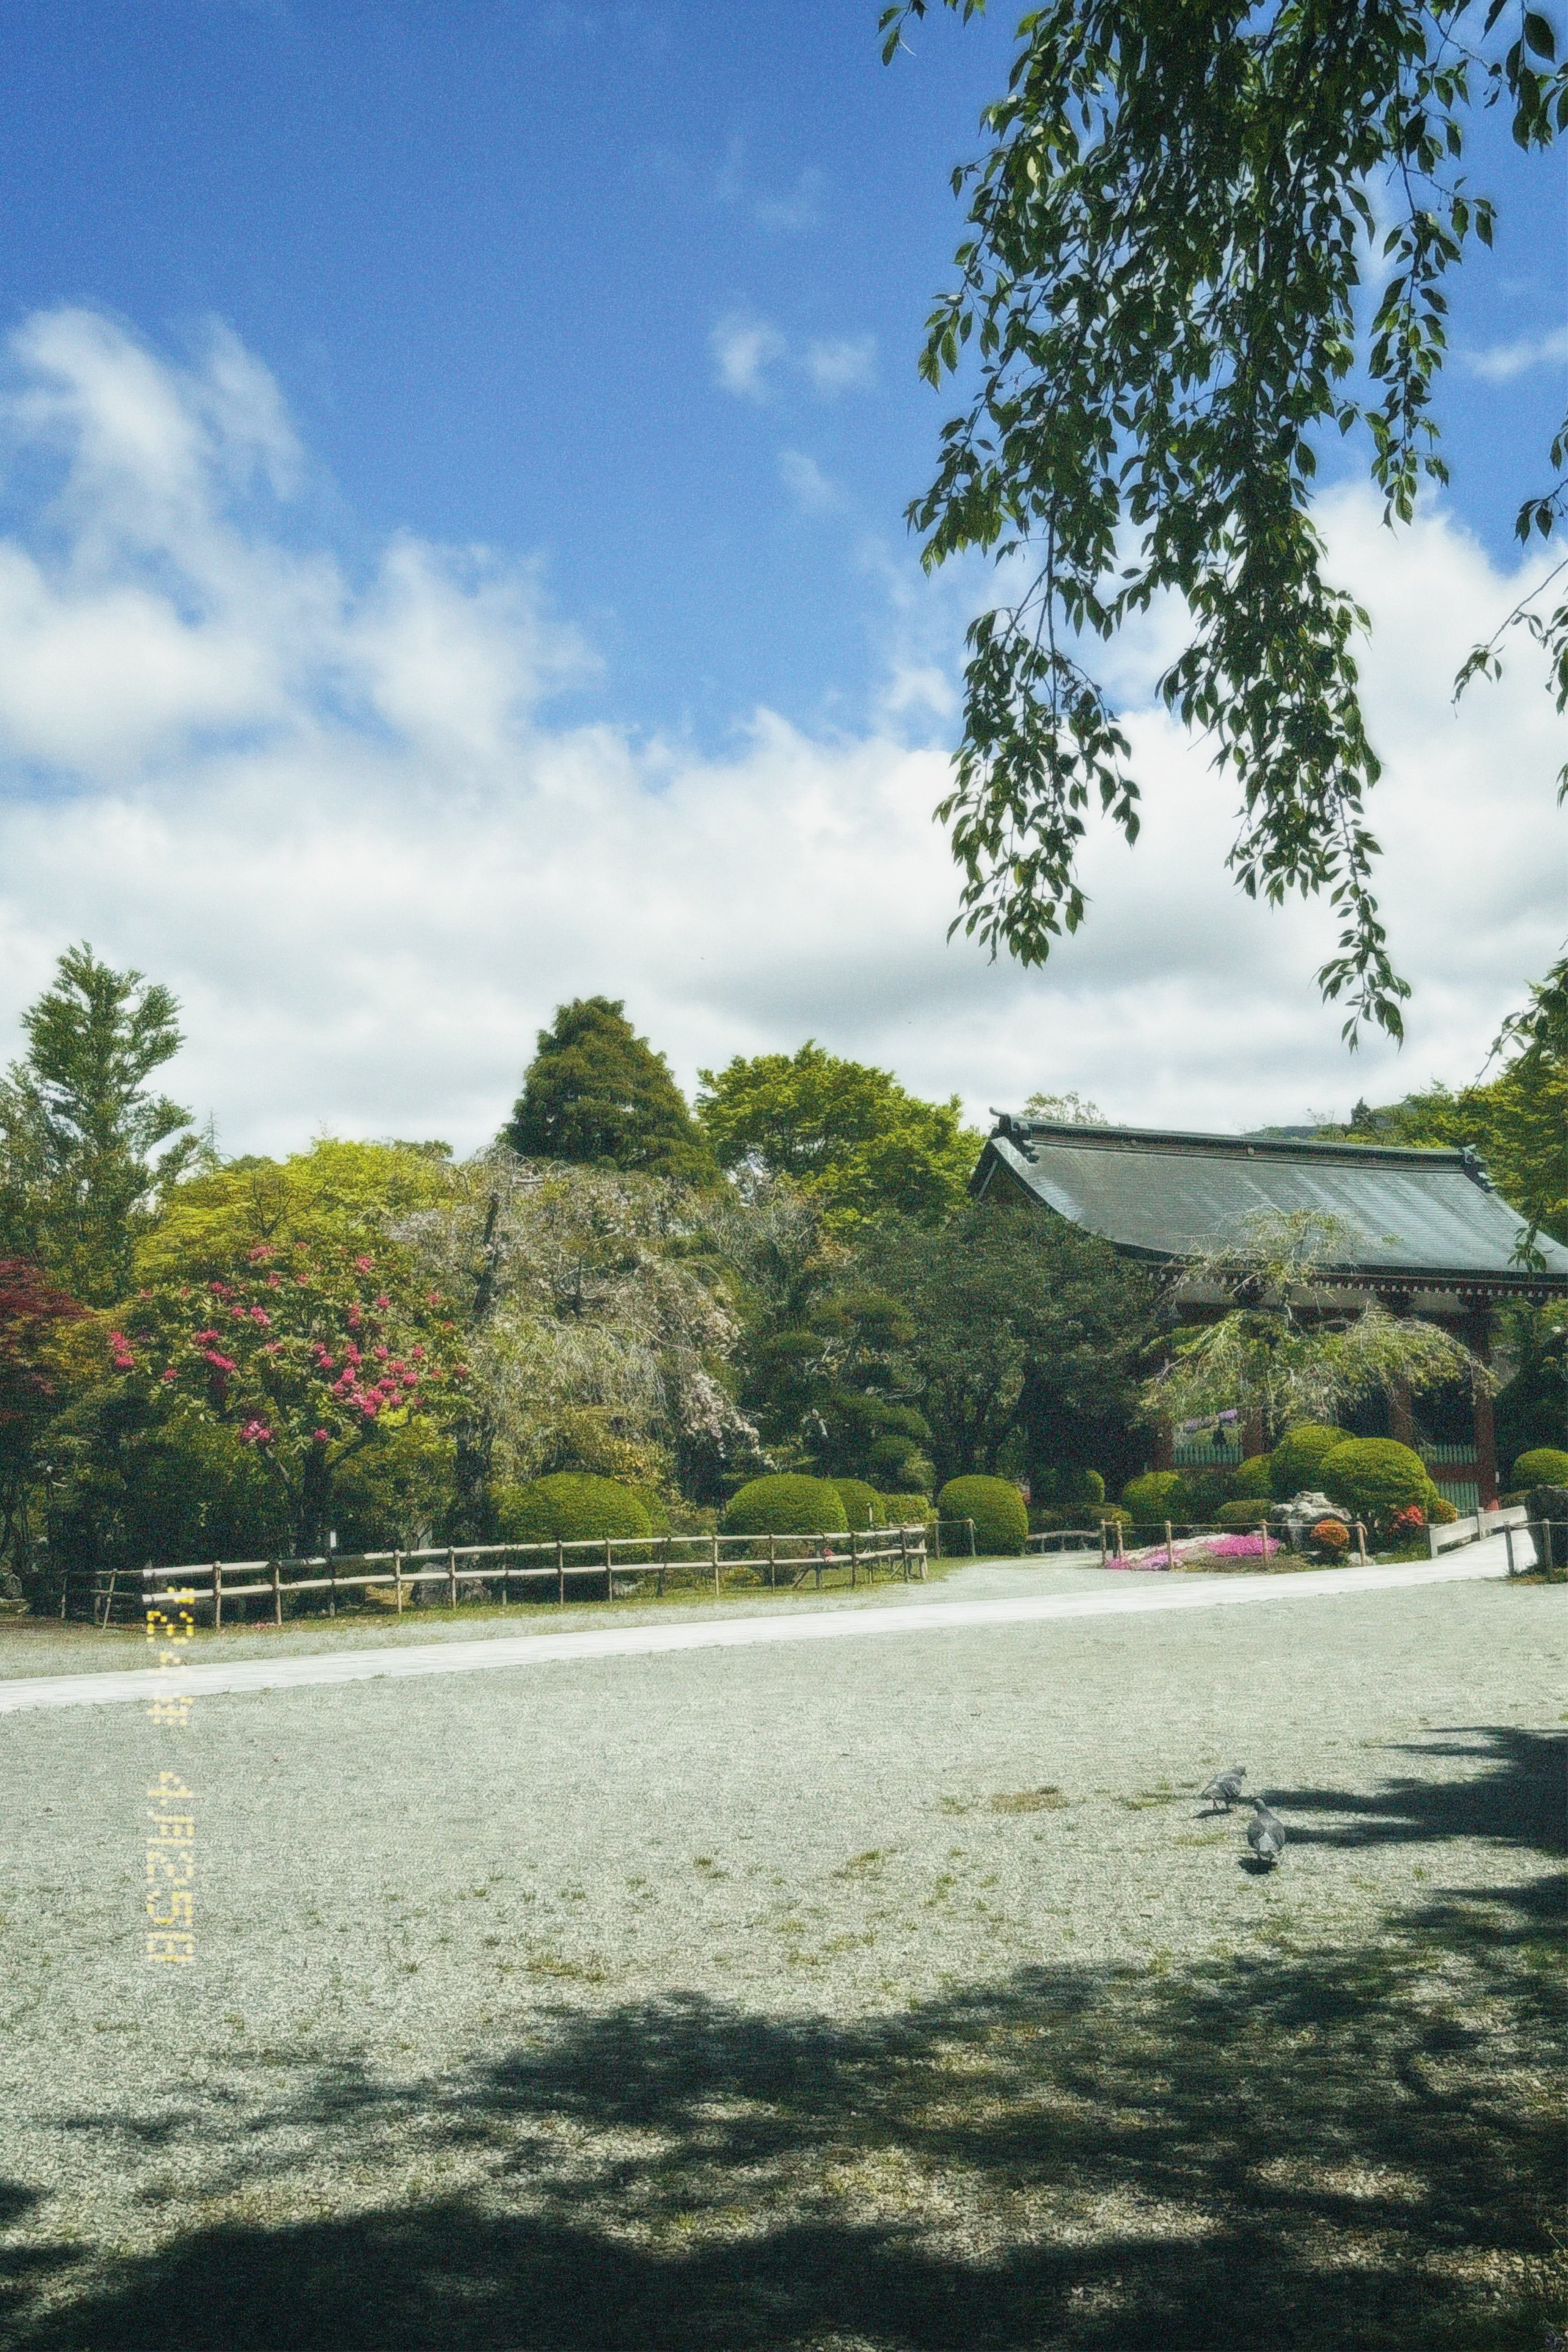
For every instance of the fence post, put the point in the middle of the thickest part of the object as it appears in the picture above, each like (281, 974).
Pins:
(1361, 1543)
(332, 1581)
(664, 1563)
(277, 1593)
(217, 1595)
(1550, 1562)
(970, 1525)
(773, 1563)
(451, 1576)
(561, 1571)
(715, 1540)
(505, 1576)
(853, 1556)
(609, 1570)
(397, 1578)
(1508, 1547)
(1170, 1554)
(904, 1551)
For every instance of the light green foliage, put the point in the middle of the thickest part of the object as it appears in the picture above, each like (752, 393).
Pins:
(398, 1494)
(1066, 1110)
(82, 1172)
(863, 1507)
(1373, 1477)
(1291, 1368)
(1161, 312)
(786, 1504)
(597, 1094)
(133, 1480)
(906, 1510)
(1295, 1463)
(1253, 1480)
(569, 1507)
(1001, 1518)
(1157, 1496)
(1543, 1465)
(848, 1134)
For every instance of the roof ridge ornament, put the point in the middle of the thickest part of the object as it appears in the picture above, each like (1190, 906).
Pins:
(1012, 1131)
(1475, 1167)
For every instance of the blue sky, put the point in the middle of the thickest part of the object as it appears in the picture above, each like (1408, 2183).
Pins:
(627, 298)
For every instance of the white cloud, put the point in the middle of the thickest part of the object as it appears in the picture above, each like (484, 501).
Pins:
(1503, 361)
(789, 213)
(338, 823)
(743, 349)
(808, 486)
(845, 364)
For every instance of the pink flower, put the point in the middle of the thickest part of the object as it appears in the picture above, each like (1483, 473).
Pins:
(261, 1254)
(416, 1353)
(169, 1373)
(365, 1264)
(369, 1407)
(384, 1300)
(274, 1282)
(255, 1433)
(382, 1354)
(321, 1437)
(259, 1315)
(432, 1299)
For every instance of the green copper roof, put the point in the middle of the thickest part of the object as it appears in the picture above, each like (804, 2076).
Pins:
(1419, 1217)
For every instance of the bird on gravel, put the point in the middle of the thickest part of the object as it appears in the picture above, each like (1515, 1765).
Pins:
(1264, 1833)
(1225, 1788)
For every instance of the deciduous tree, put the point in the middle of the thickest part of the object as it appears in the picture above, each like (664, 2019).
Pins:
(1205, 238)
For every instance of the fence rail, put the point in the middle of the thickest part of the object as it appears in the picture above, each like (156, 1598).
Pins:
(618, 1566)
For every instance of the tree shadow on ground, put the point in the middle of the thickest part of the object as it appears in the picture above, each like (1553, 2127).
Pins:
(1521, 1799)
(1282, 2152)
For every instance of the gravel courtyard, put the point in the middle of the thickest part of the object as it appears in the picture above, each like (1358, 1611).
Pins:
(886, 1993)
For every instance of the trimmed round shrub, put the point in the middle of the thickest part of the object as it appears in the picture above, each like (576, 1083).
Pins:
(1543, 1465)
(1375, 1478)
(1297, 1461)
(570, 1506)
(1440, 1512)
(786, 1504)
(1080, 1491)
(996, 1507)
(862, 1504)
(906, 1510)
(1332, 1537)
(1252, 1481)
(1157, 1496)
(1247, 1511)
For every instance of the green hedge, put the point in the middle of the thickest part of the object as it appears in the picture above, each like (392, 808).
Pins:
(1246, 1511)
(1252, 1481)
(1373, 1477)
(906, 1510)
(1543, 1465)
(1157, 1496)
(862, 1504)
(787, 1505)
(996, 1507)
(1295, 1465)
(571, 1507)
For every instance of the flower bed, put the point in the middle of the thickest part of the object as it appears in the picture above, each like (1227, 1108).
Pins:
(1249, 1549)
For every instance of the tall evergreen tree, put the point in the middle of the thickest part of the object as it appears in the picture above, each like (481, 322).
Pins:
(596, 1093)
(81, 1167)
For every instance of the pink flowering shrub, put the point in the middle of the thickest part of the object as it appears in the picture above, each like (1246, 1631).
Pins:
(306, 1370)
(1256, 1546)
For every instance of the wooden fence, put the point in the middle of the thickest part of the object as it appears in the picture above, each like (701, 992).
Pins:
(611, 1567)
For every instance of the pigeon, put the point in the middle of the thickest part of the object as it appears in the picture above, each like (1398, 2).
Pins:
(1225, 1788)
(1264, 1833)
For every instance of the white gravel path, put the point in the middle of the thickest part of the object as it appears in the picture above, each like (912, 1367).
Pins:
(1148, 1592)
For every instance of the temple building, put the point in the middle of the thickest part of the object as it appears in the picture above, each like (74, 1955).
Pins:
(1424, 1231)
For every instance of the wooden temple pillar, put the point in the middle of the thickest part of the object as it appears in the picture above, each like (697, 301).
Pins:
(1478, 1340)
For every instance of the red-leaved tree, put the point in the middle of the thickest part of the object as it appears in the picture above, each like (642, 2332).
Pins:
(33, 1313)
